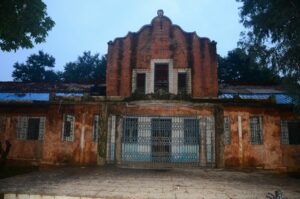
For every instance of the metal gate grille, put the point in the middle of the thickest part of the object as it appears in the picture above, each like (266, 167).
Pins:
(167, 141)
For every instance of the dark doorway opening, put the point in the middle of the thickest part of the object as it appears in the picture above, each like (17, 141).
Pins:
(161, 137)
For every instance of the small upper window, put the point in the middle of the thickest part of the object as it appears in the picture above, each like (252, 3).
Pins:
(68, 128)
(290, 132)
(30, 128)
(256, 136)
(141, 83)
(227, 136)
(182, 83)
(161, 81)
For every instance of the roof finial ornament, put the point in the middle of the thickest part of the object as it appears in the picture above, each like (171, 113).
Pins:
(160, 13)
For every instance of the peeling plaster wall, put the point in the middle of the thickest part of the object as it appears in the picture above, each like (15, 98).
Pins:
(83, 151)
(269, 155)
(21, 149)
(52, 150)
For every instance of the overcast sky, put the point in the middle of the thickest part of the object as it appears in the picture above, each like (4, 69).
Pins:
(87, 25)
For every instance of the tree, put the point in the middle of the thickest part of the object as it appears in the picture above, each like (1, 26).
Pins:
(240, 67)
(100, 70)
(36, 69)
(87, 68)
(291, 84)
(22, 23)
(274, 35)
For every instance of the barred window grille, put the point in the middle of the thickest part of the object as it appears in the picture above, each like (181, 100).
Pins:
(130, 130)
(256, 130)
(96, 128)
(166, 140)
(191, 131)
(161, 127)
(33, 128)
(290, 132)
(284, 132)
(209, 138)
(30, 128)
(22, 123)
(68, 128)
(227, 136)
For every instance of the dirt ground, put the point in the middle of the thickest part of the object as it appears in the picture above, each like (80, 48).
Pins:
(112, 182)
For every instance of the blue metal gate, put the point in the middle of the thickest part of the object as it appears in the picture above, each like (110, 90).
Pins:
(167, 141)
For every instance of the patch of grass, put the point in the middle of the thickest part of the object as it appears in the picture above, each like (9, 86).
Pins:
(8, 171)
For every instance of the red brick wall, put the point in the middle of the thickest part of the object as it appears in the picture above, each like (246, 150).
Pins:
(162, 40)
(162, 109)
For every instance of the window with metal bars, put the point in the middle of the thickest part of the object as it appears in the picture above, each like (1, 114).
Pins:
(161, 80)
(33, 128)
(191, 131)
(68, 128)
(130, 130)
(256, 134)
(290, 132)
(227, 133)
(141, 83)
(30, 128)
(182, 83)
(96, 128)
(161, 127)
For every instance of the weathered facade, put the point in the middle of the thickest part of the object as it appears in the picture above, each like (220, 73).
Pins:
(163, 108)
(157, 45)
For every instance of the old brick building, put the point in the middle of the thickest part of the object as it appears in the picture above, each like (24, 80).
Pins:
(158, 49)
(163, 108)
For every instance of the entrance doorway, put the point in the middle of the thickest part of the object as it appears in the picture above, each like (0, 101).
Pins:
(167, 141)
(161, 139)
